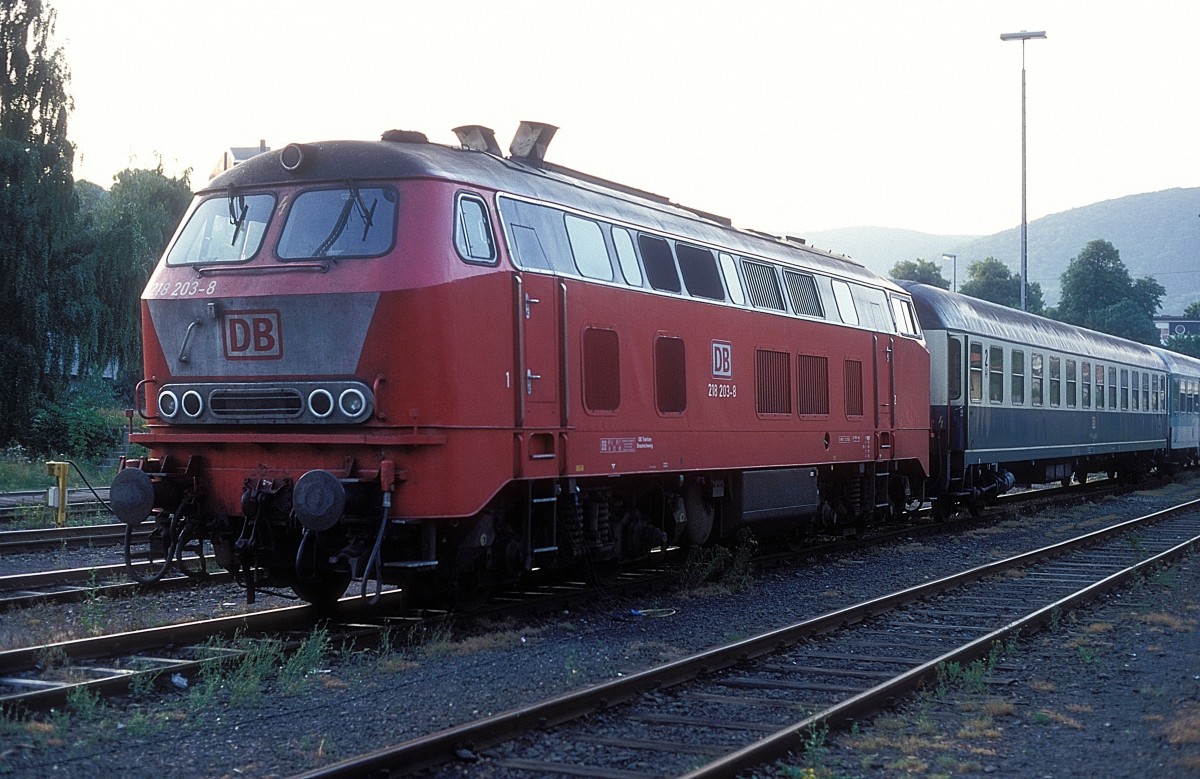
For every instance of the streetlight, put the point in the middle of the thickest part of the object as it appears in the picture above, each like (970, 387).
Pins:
(954, 258)
(1022, 37)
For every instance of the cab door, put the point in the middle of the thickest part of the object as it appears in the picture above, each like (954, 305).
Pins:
(540, 372)
(885, 394)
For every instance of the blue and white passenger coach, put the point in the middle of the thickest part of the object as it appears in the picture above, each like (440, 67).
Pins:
(1183, 405)
(1020, 399)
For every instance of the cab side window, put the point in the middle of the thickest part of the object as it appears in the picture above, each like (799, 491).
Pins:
(472, 231)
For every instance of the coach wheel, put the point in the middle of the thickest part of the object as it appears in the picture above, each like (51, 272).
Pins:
(147, 557)
(975, 503)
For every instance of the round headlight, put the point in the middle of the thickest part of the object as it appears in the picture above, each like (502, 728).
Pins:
(168, 404)
(352, 403)
(192, 403)
(320, 403)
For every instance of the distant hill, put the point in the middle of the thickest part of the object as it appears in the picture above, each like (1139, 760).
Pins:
(1157, 234)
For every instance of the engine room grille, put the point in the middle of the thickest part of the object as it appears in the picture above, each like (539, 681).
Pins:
(256, 403)
(854, 388)
(774, 380)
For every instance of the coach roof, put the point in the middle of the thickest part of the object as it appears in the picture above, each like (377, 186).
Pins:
(938, 309)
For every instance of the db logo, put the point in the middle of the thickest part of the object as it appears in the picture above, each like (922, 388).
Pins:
(722, 360)
(252, 335)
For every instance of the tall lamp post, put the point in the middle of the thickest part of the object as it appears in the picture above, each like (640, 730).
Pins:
(954, 259)
(1022, 37)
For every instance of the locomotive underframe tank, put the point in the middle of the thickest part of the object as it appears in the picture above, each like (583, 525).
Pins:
(398, 360)
(1020, 399)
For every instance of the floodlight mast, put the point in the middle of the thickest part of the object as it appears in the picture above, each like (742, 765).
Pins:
(1022, 37)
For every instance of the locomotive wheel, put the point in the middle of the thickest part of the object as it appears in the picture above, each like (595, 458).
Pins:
(147, 559)
(190, 557)
(323, 588)
(942, 507)
(699, 513)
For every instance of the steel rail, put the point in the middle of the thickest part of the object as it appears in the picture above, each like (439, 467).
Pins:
(440, 747)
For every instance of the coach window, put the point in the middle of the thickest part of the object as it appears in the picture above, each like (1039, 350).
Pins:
(1072, 384)
(1145, 391)
(1018, 377)
(700, 274)
(1124, 389)
(729, 268)
(954, 368)
(588, 249)
(626, 256)
(1099, 386)
(845, 302)
(1055, 381)
(976, 371)
(1086, 387)
(1035, 384)
(660, 263)
(996, 374)
(472, 231)
(1112, 388)
(1135, 390)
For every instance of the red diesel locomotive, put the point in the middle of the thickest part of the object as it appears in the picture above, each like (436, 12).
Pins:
(404, 362)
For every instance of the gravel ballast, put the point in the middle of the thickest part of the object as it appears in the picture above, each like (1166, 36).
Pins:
(1138, 675)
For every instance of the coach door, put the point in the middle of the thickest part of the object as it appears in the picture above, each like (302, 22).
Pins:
(885, 394)
(541, 411)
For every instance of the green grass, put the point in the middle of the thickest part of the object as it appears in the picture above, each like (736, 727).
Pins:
(20, 472)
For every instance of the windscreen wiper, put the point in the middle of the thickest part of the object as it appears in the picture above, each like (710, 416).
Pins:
(367, 215)
(354, 202)
(237, 217)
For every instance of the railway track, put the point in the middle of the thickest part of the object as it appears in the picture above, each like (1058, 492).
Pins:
(12, 504)
(108, 664)
(71, 537)
(729, 709)
(71, 585)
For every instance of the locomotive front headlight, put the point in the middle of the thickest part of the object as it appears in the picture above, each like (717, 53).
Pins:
(352, 403)
(192, 403)
(168, 404)
(320, 403)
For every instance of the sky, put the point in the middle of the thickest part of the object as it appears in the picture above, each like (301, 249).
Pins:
(791, 115)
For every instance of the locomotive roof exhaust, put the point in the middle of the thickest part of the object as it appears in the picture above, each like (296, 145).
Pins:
(476, 137)
(530, 142)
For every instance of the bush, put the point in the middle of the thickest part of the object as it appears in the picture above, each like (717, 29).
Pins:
(85, 425)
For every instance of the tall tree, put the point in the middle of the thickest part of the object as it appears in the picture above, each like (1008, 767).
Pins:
(36, 199)
(1192, 311)
(1098, 293)
(990, 279)
(121, 235)
(923, 271)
